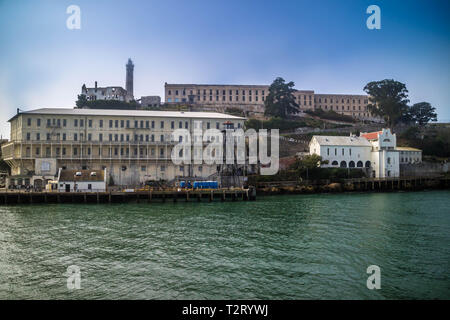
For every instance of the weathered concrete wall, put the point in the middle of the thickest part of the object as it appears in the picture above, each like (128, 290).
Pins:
(423, 169)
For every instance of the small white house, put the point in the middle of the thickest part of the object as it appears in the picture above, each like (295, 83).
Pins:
(375, 150)
(81, 180)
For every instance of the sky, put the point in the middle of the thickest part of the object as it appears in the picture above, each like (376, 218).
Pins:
(321, 45)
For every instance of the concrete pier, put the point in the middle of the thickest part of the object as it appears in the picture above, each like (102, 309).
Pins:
(24, 197)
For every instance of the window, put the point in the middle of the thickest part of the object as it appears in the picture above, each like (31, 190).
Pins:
(162, 125)
(38, 136)
(38, 122)
(110, 123)
(100, 137)
(81, 123)
(143, 168)
(100, 124)
(163, 168)
(28, 136)
(75, 122)
(29, 122)
(64, 122)
(48, 136)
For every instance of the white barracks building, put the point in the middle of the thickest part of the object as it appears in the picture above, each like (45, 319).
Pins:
(375, 151)
(133, 146)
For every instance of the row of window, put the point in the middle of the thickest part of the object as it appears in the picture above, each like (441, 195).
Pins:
(337, 100)
(112, 137)
(111, 151)
(343, 108)
(138, 124)
(351, 164)
(217, 92)
(342, 151)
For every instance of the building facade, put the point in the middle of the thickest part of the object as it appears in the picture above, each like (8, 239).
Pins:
(375, 151)
(250, 98)
(133, 145)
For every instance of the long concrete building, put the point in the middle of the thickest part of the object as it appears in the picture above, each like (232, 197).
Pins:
(134, 146)
(250, 98)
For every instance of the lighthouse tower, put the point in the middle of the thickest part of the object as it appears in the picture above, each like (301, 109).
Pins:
(129, 80)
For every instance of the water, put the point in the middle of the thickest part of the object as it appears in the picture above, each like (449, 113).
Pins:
(280, 247)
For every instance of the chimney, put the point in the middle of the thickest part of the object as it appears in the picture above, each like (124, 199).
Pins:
(18, 111)
(95, 86)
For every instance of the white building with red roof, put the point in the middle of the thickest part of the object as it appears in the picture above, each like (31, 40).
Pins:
(375, 151)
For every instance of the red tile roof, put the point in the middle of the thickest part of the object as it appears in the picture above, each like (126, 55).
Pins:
(371, 135)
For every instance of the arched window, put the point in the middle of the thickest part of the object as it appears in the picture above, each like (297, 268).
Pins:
(367, 164)
(335, 163)
(351, 164)
(343, 164)
(359, 164)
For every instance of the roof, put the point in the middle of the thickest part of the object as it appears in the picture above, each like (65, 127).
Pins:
(342, 141)
(215, 85)
(130, 113)
(371, 135)
(407, 149)
(69, 175)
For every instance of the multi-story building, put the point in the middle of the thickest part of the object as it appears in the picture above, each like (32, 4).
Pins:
(250, 98)
(133, 145)
(375, 151)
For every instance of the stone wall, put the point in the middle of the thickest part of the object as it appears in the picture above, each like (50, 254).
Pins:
(423, 169)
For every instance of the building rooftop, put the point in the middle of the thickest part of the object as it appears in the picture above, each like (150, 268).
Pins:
(130, 113)
(371, 135)
(407, 149)
(342, 141)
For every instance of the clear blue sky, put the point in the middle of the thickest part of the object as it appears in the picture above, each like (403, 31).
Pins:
(320, 45)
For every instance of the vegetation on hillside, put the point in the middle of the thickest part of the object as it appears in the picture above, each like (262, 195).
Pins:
(330, 115)
(432, 142)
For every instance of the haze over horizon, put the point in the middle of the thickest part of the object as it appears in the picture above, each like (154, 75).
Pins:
(322, 46)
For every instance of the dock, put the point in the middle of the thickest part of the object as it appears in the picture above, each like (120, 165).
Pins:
(31, 197)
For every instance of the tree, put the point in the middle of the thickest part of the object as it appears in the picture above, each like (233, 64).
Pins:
(280, 102)
(387, 98)
(82, 101)
(422, 113)
(309, 161)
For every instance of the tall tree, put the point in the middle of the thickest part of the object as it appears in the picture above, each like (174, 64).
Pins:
(422, 113)
(387, 98)
(280, 102)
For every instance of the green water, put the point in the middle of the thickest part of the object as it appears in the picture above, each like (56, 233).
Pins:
(280, 247)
